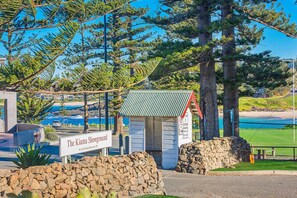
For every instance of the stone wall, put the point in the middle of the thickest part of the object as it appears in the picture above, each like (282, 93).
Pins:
(128, 175)
(201, 157)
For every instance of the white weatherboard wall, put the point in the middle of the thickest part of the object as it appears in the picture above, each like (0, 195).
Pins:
(169, 143)
(137, 134)
(185, 128)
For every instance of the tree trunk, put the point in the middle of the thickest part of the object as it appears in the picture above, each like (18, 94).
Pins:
(231, 122)
(209, 125)
(86, 114)
(118, 120)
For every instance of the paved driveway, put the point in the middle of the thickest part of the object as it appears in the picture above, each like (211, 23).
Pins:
(189, 185)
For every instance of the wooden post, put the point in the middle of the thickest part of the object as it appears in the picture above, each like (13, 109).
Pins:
(130, 139)
(259, 153)
(264, 154)
(273, 151)
(197, 136)
(294, 154)
(121, 144)
(104, 152)
(127, 145)
(64, 160)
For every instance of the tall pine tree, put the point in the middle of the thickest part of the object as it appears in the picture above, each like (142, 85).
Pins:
(189, 27)
(127, 37)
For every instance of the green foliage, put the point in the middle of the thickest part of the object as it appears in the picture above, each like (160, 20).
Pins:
(52, 136)
(31, 156)
(85, 193)
(49, 129)
(32, 109)
(9, 10)
(17, 17)
(267, 71)
(180, 80)
(28, 66)
(180, 50)
(269, 14)
(23, 194)
(290, 126)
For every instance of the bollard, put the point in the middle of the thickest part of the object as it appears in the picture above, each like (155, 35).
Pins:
(264, 154)
(273, 151)
(197, 136)
(252, 158)
(121, 144)
(64, 160)
(103, 152)
(259, 153)
(127, 150)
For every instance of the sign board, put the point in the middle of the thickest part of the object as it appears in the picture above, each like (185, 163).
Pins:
(75, 144)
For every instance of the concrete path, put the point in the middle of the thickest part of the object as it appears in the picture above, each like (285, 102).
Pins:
(189, 185)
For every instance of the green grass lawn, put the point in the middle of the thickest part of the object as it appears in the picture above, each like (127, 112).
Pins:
(263, 165)
(269, 137)
(273, 103)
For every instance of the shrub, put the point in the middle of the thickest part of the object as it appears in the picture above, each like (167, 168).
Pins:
(52, 136)
(85, 193)
(31, 156)
(23, 194)
(49, 129)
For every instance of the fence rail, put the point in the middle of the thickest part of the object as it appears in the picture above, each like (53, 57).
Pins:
(273, 150)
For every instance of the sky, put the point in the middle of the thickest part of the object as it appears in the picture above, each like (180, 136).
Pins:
(279, 44)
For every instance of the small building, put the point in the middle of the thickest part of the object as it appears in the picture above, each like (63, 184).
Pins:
(160, 122)
(8, 124)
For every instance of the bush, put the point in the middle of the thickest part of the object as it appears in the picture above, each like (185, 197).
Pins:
(52, 136)
(49, 129)
(85, 193)
(31, 156)
(23, 194)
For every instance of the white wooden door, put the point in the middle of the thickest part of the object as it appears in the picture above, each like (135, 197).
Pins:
(169, 143)
(137, 134)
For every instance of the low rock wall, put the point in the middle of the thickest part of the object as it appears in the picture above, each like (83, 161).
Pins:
(201, 157)
(128, 175)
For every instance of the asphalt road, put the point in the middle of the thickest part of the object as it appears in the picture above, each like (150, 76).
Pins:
(189, 185)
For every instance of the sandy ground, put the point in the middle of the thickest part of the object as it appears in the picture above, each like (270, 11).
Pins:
(267, 114)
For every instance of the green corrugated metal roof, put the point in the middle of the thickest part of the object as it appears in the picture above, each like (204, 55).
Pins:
(155, 103)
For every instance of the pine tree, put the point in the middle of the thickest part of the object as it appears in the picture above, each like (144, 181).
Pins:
(37, 15)
(257, 11)
(230, 101)
(181, 52)
(127, 43)
(186, 22)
